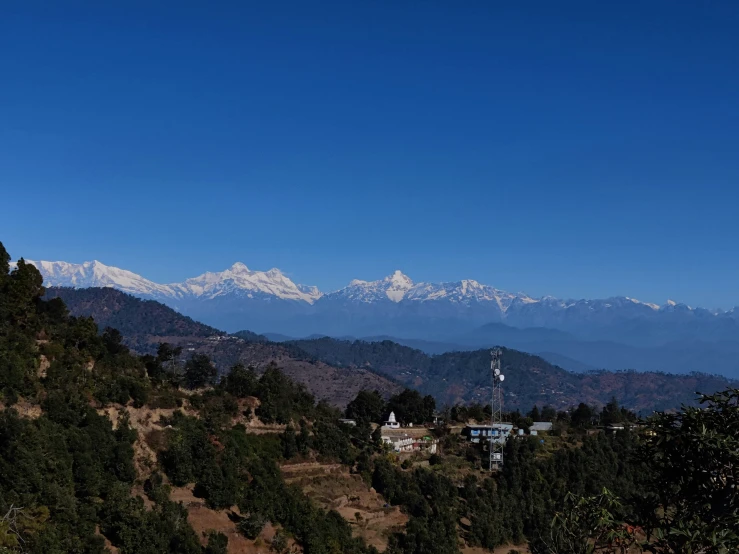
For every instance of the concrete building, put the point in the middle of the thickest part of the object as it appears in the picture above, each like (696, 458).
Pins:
(482, 433)
(401, 444)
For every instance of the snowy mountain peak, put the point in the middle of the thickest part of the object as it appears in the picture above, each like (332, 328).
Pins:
(393, 294)
(96, 274)
(393, 287)
(241, 281)
(398, 285)
(237, 279)
(398, 277)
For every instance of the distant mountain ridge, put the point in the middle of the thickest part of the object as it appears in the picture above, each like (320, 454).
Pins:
(397, 288)
(465, 377)
(612, 333)
(337, 369)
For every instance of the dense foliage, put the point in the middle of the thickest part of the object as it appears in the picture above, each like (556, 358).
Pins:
(69, 472)
(66, 473)
(136, 319)
(408, 406)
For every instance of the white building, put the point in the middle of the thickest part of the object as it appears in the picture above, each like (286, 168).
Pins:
(401, 444)
(391, 423)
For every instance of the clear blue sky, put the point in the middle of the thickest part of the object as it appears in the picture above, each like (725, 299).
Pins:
(579, 149)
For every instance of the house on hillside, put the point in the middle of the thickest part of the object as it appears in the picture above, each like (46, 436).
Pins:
(401, 444)
(485, 433)
(407, 443)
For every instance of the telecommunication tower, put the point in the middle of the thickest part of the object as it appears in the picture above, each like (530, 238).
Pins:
(497, 441)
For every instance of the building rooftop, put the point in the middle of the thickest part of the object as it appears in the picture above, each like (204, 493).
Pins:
(487, 425)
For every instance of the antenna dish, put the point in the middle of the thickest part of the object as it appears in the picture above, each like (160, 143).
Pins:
(496, 371)
(501, 377)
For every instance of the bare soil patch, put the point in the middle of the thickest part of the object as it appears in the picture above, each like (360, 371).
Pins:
(334, 488)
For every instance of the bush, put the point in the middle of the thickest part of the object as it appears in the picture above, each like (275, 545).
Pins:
(252, 525)
(217, 543)
(279, 542)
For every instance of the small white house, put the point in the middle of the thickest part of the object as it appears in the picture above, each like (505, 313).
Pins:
(391, 422)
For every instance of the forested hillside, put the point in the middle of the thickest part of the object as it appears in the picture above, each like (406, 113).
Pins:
(456, 377)
(138, 320)
(145, 324)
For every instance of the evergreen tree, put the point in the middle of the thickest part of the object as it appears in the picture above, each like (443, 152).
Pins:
(582, 416)
(289, 442)
(611, 413)
(367, 407)
(240, 381)
(4, 262)
(199, 371)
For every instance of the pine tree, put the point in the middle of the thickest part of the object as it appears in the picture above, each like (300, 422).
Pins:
(199, 371)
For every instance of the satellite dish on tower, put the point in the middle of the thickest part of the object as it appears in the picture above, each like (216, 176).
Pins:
(496, 371)
(501, 377)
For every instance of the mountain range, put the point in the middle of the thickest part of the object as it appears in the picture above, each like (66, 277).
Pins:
(335, 370)
(612, 333)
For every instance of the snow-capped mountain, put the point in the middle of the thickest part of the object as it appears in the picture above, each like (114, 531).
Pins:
(392, 288)
(237, 280)
(241, 281)
(398, 287)
(240, 298)
(97, 274)
(465, 292)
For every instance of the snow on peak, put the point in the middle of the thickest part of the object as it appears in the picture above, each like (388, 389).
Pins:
(398, 277)
(398, 285)
(466, 292)
(237, 279)
(393, 287)
(96, 274)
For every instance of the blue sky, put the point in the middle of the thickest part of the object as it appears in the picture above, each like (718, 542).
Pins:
(579, 149)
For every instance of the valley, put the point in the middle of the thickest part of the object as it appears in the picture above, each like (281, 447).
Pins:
(336, 370)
